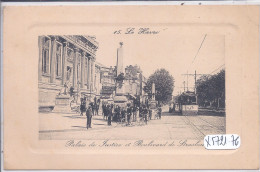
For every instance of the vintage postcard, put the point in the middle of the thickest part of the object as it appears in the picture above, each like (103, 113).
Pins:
(131, 87)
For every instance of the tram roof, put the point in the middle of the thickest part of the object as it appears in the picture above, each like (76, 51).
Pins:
(188, 93)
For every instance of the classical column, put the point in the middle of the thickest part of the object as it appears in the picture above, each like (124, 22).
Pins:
(92, 73)
(75, 63)
(40, 42)
(88, 79)
(53, 59)
(82, 76)
(64, 64)
(86, 71)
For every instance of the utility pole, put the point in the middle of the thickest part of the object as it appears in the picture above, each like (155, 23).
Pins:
(184, 85)
(195, 78)
(195, 89)
(187, 82)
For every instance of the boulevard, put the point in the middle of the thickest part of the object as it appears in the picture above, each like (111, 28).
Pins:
(172, 126)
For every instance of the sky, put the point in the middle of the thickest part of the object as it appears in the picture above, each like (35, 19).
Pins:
(170, 50)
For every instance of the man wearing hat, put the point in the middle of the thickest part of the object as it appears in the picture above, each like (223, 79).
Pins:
(89, 116)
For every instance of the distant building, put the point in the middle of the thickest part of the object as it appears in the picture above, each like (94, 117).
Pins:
(134, 81)
(107, 79)
(97, 80)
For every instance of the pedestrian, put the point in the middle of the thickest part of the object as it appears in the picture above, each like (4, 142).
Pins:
(89, 116)
(109, 110)
(117, 113)
(129, 113)
(82, 106)
(106, 111)
(141, 111)
(150, 114)
(71, 91)
(134, 112)
(145, 113)
(123, 114)
(103, 109)
(159, 111)
(97, 106)
(93, 108)
(95, 100)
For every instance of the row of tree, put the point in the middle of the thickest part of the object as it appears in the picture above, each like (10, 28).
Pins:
(211, 90)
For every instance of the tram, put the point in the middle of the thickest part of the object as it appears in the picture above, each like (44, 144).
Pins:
(187, 103)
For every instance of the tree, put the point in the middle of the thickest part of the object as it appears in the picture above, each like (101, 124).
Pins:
(132, 71)
(164, 85)
(211, 90)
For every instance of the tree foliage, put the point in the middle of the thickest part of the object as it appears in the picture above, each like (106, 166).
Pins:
(164, 85)
(132, 72)
(211, 90)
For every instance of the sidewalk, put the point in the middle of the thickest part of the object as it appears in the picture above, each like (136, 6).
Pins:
(60, 122)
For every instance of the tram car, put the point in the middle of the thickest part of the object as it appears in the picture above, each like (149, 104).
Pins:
(187, 104)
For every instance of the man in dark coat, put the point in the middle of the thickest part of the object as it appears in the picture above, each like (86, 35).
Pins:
(150, 114)
(82, 106)
(105, 111)
(145, 113)
(129, 113)
(134, 112)
(141, 111)
(160, 111)
(122, 114)
(97, 106)
(109, 111)
(89, 116)
(93, 108)
(117, 113)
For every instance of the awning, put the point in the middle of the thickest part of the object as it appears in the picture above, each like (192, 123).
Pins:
(120, 99)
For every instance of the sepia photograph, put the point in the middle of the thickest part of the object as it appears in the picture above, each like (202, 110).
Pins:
(131, 90)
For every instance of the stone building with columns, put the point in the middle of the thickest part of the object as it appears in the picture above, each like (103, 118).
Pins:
(67, 64)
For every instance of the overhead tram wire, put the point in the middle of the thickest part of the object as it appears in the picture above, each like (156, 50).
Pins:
(195, 57)
(199, 49)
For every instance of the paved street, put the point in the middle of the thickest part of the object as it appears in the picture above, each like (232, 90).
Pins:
(171, 126)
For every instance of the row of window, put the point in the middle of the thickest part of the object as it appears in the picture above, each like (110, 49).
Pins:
(46, 61)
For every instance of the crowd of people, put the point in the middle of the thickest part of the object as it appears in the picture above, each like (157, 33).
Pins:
(121, 114)
(128, 114)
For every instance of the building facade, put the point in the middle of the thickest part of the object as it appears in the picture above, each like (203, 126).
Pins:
(67, 65)
(107, 81)
(97, 80)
